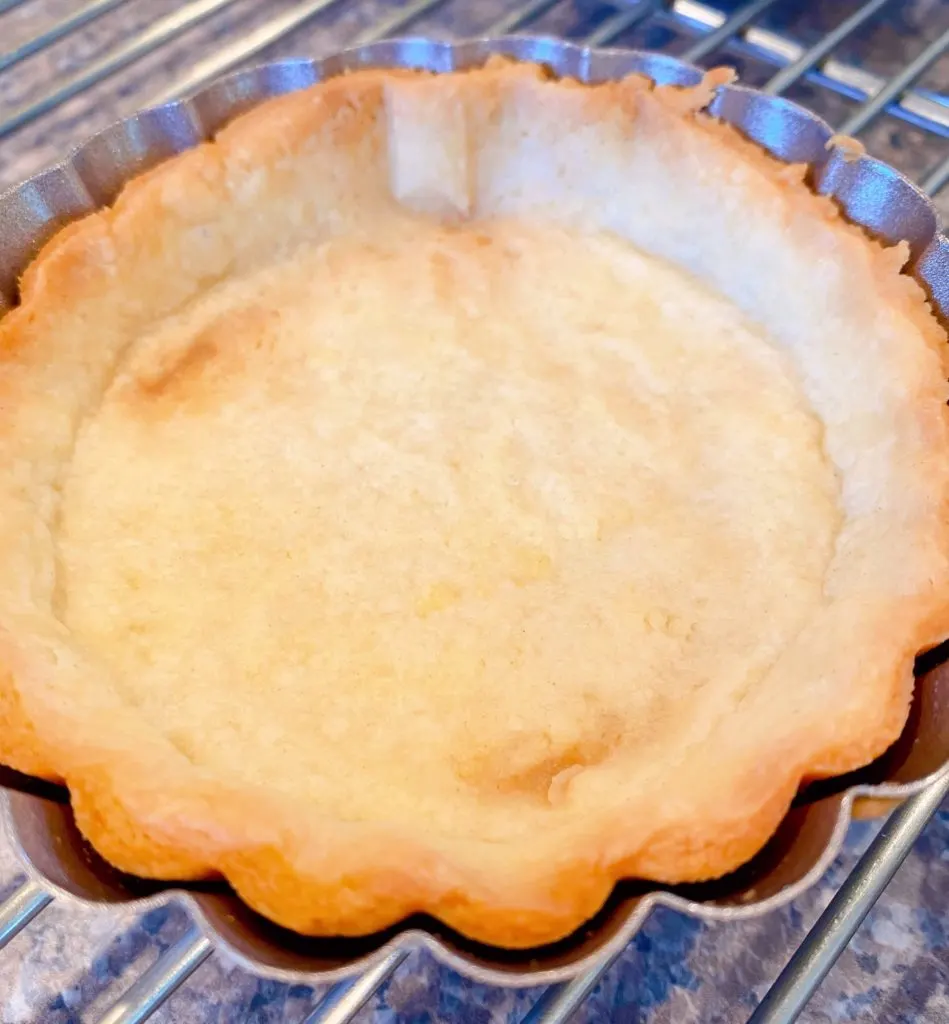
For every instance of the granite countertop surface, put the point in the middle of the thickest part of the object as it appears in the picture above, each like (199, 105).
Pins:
(69, 965)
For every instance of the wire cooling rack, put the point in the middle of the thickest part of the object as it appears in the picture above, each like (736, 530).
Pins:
(76, 66)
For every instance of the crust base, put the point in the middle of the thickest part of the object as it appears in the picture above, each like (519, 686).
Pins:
(639, 163)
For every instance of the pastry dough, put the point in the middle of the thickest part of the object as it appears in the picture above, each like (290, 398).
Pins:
(456, 493)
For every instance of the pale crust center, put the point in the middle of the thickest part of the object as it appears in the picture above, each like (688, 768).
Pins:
(438, 525)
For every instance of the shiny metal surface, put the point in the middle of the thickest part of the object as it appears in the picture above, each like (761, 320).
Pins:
(243, 49)
(520, 16)
(60, 29)
(796, 62)
(896, 86)
(346, 998)
(827, 44)
(834, 929)
(162, 979)
(133, 49)
(827, 939)
(823, 945)
(811, 836)
(728, 28)
(560, 1002)
(20, 907)
(622, 22)
(937, 178)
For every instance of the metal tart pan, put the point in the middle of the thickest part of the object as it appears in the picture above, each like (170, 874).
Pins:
(37, 816)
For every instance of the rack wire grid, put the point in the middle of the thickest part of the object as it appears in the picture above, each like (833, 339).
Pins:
(69, 68)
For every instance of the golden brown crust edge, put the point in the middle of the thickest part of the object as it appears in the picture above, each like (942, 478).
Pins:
(351, 879)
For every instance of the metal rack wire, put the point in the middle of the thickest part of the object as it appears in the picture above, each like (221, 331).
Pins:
(709, 31)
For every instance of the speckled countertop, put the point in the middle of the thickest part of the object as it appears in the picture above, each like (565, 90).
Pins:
(75, 959)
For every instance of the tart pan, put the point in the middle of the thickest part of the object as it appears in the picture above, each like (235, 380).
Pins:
(37, 817)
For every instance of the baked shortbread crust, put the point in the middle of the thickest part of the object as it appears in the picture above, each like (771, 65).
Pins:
(456, 493)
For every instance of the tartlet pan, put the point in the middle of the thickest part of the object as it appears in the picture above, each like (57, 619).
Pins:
(37, 817)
